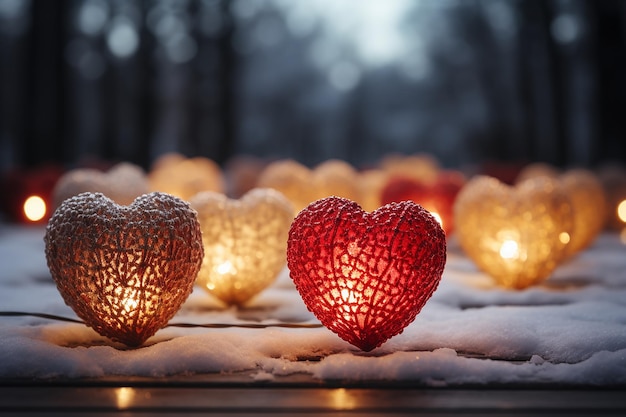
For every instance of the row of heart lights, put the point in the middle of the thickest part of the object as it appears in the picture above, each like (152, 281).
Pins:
(127, 267)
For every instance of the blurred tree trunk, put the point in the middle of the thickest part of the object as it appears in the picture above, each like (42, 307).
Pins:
(41, 135)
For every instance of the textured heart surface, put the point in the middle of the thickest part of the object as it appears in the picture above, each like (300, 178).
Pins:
(519, 234)
(124, 270)
(244, 242)
(364, 275)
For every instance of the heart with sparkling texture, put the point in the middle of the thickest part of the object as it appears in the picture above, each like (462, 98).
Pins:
(124, 270)
(244, 242)
(364, 275)
(516, 234)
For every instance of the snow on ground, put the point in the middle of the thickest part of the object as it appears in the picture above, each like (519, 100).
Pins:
(569, 330)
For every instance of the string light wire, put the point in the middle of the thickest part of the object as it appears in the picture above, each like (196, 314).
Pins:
(181, 325)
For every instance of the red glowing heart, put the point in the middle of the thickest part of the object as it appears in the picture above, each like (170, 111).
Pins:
(365, 276)
(437, 197)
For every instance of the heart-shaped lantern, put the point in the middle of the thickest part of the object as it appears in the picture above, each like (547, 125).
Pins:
(335, 177)
(124, 270)
(519, 234)
(244, 242)
(302, 185)
(185, 177)
(586, 194)
(364, 275)
(291, 179)
(122, 183)
(436, 196)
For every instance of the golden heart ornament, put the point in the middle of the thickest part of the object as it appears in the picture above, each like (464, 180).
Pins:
(245, 242)
(517, 234)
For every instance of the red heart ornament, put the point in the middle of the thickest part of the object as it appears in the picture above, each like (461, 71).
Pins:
(124, 270)
(364, 275)
(437, 197)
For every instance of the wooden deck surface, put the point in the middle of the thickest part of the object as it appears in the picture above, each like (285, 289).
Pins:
(229, 395)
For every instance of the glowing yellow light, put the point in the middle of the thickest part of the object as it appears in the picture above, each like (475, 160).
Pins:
(124, 397)
(621, 211)
(130, 304)
(564, 238)
(349, 296)
(226, 267)
(343, 400)
(34, 208)
(509, 249)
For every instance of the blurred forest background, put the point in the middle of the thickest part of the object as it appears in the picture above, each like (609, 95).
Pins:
(465, 80)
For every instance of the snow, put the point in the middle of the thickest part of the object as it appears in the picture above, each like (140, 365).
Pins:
(569, 330)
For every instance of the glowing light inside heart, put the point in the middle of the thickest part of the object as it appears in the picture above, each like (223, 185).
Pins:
(130, 304)
(517, 234)
(226, 267)
(621, 211)
(34, 208)
(245, 242)
(349, 296)
(509, 249)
